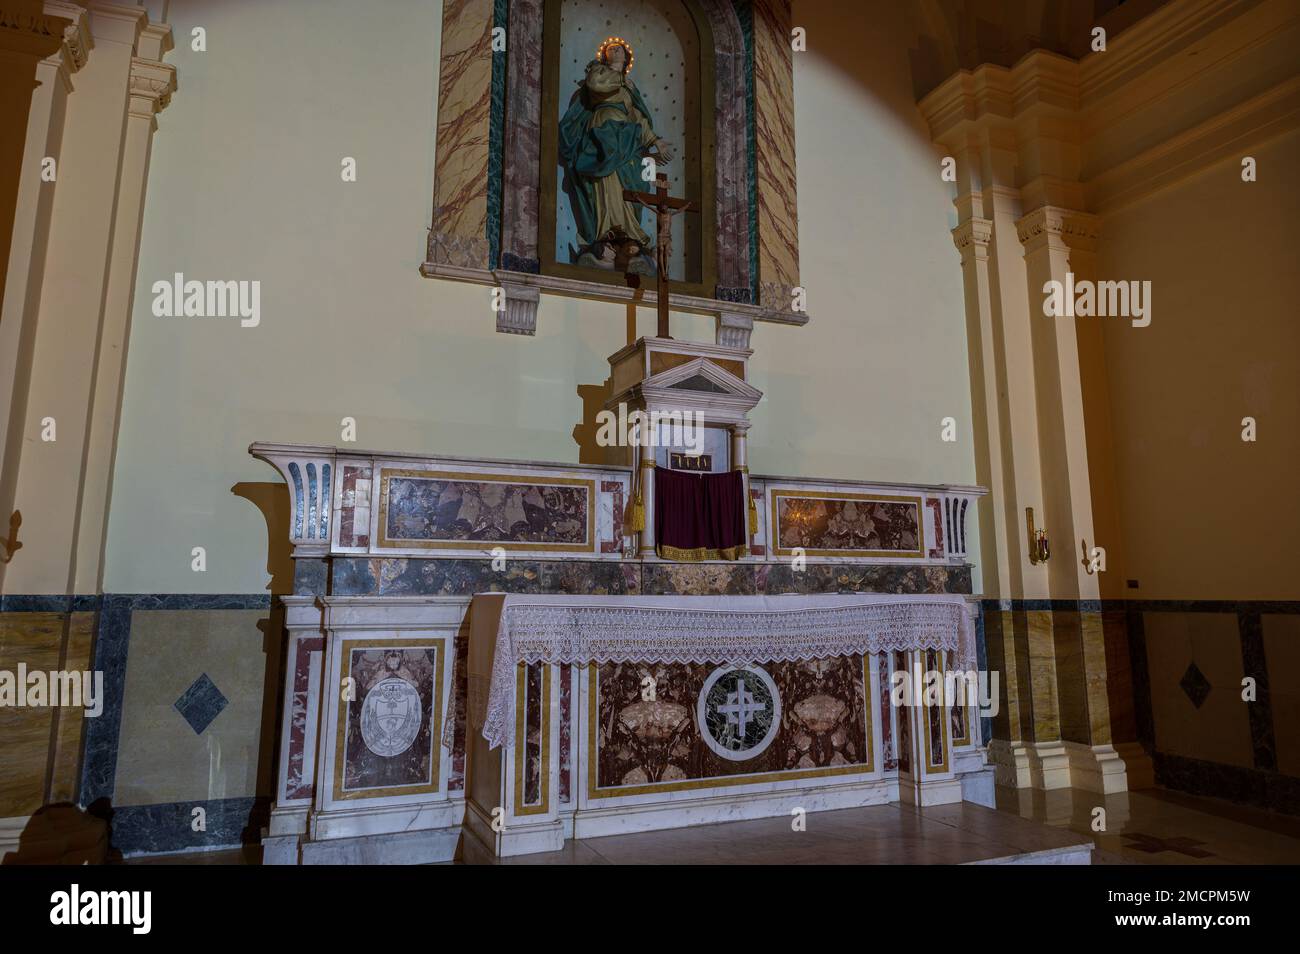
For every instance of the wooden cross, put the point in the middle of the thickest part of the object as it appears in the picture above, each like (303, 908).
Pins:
(665, 208)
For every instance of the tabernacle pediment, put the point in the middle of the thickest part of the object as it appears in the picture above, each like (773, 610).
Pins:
(703, 375)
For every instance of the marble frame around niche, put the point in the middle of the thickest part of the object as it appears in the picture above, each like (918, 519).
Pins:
(510, 115)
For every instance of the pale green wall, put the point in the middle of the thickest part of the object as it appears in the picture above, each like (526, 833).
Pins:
(245, 185)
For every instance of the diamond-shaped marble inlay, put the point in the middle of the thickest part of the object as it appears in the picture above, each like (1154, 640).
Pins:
(201, 703)
(1195, 685)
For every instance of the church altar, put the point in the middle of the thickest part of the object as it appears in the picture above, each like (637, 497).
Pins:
(487, 657)
(696, 709)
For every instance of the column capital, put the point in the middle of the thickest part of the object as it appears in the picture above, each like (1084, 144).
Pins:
(1063, 228)
(152, 85)
(973, 235)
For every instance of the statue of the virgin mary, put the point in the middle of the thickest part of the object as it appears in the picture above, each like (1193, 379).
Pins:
(606, 132)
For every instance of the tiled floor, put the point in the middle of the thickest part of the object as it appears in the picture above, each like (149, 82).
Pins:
(1159, 827)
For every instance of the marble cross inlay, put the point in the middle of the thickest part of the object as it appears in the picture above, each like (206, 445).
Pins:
(740, 706)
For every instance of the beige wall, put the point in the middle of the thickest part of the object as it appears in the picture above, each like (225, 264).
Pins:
(1205, 515)
(245, 184)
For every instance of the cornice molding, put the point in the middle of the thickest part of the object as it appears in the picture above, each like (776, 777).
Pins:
(992, 94)
(1159, 35)
(26, 31)
(77, 38)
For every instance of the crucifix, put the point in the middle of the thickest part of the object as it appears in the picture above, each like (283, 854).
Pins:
(665, 208)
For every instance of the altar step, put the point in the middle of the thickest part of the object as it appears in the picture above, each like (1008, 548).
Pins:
(961, 833)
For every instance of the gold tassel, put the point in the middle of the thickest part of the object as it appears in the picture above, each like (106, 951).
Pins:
(753, 517)
(634, 521)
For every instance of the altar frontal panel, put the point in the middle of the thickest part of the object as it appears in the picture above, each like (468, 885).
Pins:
(445, 510)
(663, 727)
(390, 723)
(825, 523)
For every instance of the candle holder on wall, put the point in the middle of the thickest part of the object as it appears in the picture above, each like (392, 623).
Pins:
(1040, 549)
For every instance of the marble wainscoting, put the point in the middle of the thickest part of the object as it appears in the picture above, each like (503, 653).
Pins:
(1188, 660)
(186, 717)
(1158, 683)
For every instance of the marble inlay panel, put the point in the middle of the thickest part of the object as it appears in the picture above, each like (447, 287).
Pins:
(1071, 683)
(889, 752)
(389, 727)
(778, 218)
(444, 510)
(641, 741)
(904, 722)
(296, 786)
(698, 579)
(521, 168)
(1093, 637)
(845, 525)
(1040, 650)
(354, 507)
(532, 738)
(567, 675)
(464, 116)
(936, 521)
(35, 639)
(161, 758)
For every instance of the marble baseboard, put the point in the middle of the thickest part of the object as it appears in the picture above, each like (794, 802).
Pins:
(1052, 856)
(426, 847)
(1250, 786)
(684, 813)
(157, 829)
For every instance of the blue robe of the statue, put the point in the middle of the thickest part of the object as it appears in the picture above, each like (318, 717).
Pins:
(590, 152)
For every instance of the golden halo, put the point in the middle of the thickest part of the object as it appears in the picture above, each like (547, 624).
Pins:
(616, 41)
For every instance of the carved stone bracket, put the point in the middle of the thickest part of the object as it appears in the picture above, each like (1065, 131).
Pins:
(309, 479)
(519, 316)
(954, 505)
(152, 85)
(733, 331)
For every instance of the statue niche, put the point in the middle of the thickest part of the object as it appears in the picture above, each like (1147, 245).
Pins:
(617, 110)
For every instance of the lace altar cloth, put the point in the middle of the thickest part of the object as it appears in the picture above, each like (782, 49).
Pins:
(698, 629)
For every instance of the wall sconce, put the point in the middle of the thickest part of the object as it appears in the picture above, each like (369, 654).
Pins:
(1040, 550)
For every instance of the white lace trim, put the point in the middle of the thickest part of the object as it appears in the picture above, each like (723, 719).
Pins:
(721, 630)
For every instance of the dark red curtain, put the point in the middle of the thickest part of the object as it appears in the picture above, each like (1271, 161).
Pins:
(700, 516)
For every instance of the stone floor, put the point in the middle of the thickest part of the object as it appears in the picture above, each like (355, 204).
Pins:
(879, 834)
(1159, 827)
(1152, 826)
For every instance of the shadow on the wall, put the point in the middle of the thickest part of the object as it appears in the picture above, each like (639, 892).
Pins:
(273, 501)
(593, 398)
(63, 834)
